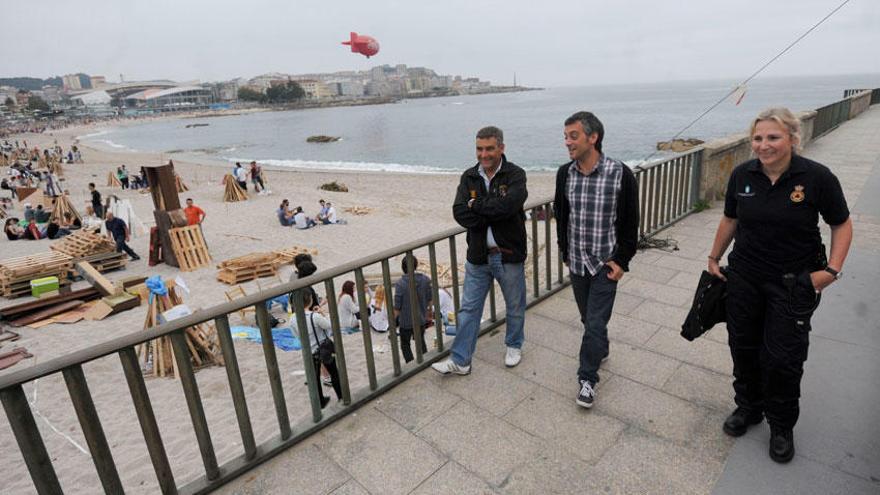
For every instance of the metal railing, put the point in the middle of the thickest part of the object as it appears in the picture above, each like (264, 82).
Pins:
(668, 190)
(875, 94)
(830, 116)
(39, 463)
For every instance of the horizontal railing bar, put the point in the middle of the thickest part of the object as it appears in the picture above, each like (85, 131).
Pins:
(660, 161)
(114, 345)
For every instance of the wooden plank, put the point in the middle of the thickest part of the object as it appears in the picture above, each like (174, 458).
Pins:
(94, 277)
(46, 313)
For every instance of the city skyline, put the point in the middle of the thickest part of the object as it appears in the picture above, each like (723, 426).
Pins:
(551, 44)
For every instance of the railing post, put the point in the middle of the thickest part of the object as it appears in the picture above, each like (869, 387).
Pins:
(435, 296)
(194, 403)
(27, 435)
(453, 260)
(337, 341)
(90, 423)
(312, 379)
(548, 214)
(236, 389)
(536, 286)
(389, 312)
(365, 322)
(271, 359)
(696, 173)
(144, 409)
(418, 331)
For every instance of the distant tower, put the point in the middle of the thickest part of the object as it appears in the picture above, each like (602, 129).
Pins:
(514, 79)
(121, 79)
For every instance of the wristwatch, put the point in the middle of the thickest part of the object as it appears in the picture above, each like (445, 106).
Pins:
(834, 273)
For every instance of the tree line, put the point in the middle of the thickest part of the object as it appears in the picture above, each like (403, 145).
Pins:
(281, 93)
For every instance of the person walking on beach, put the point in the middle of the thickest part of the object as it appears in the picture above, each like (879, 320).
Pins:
(489, 204)
(96, 201)
(256, 173)
(403, 308)
(597, 217)
(240, 175)
(118, 231)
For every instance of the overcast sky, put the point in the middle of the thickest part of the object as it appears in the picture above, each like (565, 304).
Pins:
(546, 42)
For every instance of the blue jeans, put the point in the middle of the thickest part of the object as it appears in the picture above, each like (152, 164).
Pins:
(594, 295)
(477, 280)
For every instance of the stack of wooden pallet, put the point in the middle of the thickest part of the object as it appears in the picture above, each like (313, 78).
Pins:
(358, 210)
(189, 247)
(96, 249)
(233, 191)
(157, 356)
(16, 273)
(244, 268)
(82, 243)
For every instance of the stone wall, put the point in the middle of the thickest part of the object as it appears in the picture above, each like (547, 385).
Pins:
(859, 103)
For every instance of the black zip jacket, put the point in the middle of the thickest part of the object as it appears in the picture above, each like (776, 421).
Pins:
(501, 207)
(626, 223)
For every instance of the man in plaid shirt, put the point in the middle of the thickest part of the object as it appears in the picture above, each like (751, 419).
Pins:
(597, 216)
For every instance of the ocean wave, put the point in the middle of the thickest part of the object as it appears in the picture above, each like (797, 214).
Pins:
(350, 166)
(114, 145)
(102, 132)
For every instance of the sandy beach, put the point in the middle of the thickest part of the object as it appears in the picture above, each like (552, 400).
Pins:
(402, 208)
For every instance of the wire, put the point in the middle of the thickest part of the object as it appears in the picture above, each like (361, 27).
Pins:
(755, 74)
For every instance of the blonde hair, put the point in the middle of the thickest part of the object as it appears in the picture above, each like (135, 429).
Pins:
(786, 120)
(379, 296)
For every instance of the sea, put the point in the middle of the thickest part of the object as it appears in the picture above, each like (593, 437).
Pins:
(436, 135)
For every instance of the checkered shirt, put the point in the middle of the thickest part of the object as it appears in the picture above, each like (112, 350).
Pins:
(593, 199)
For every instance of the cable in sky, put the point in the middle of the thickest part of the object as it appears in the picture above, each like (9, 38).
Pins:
(742, 84)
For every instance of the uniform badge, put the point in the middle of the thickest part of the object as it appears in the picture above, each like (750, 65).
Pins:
(798, 194)
(502, 190)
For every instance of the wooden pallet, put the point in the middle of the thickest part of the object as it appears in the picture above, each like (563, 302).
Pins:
(82, 244)
(21, 289)
(189, 247)
(238, 275)
(32, 266)
(233, 192)
(286, 255)
(105, 262)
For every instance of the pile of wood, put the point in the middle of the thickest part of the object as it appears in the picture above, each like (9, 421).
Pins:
(62, 206)
(286, 255)
(244, 268)
(16, 273)
(112, 180)
(189, 247)
(157, 356)
(181, 187)
(233, 191)
(82, 244)
(358, 210)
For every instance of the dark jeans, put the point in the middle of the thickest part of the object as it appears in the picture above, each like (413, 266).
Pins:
(768, 325)
(124, 182)
(258, 180)
(594, 295)
(122, 246)
(99, 210)
(243, 185)
(334, 375)
(406, 335)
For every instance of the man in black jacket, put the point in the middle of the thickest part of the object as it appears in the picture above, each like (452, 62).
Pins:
(597, 216)
(489, 203)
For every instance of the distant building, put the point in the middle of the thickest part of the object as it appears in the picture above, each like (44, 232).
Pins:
(171, 99)
(8, 92)
(93, 99)
(22, 98)
(71, 82)
(315, 89)
(98, 81)
(348, 88)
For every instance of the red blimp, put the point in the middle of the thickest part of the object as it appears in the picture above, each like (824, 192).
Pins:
(365, 45)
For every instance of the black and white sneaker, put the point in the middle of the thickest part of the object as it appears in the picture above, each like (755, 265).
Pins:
(586, 395)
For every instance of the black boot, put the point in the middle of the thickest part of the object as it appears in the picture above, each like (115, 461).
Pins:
(739, 421)
(324, 401)
(781, 444)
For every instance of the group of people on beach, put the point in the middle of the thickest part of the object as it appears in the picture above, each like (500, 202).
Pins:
(776, 273)
(295, 217)
(254, 172)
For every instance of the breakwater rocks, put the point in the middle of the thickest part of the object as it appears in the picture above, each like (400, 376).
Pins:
(679, 145)
(322, 139)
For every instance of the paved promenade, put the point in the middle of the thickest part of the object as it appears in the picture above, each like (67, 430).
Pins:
(656, 425)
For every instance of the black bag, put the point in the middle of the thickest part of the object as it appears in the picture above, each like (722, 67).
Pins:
(326, 350)
(709, 306)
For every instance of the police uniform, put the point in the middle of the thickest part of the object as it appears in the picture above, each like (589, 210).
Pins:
(770, 294)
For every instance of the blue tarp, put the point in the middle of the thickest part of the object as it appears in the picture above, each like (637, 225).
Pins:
(283, 338)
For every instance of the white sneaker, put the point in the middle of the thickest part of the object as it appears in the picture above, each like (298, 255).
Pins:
(513, 357)
(449, 366)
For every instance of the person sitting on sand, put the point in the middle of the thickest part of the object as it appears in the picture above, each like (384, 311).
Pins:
(321, 217)
(54, 231)
(41, 215)
(70, 222)
(302, 221)
(285, 216)
(91, 222)
(13, 230)
(28, 212)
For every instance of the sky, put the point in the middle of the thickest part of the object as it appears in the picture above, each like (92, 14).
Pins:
(547, 43)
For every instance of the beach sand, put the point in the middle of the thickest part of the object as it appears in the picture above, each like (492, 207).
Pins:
(404, 207)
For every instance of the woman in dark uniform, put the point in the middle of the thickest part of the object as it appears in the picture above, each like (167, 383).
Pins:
(778, 269)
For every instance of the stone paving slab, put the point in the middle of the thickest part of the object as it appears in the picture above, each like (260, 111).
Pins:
(453, 478)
